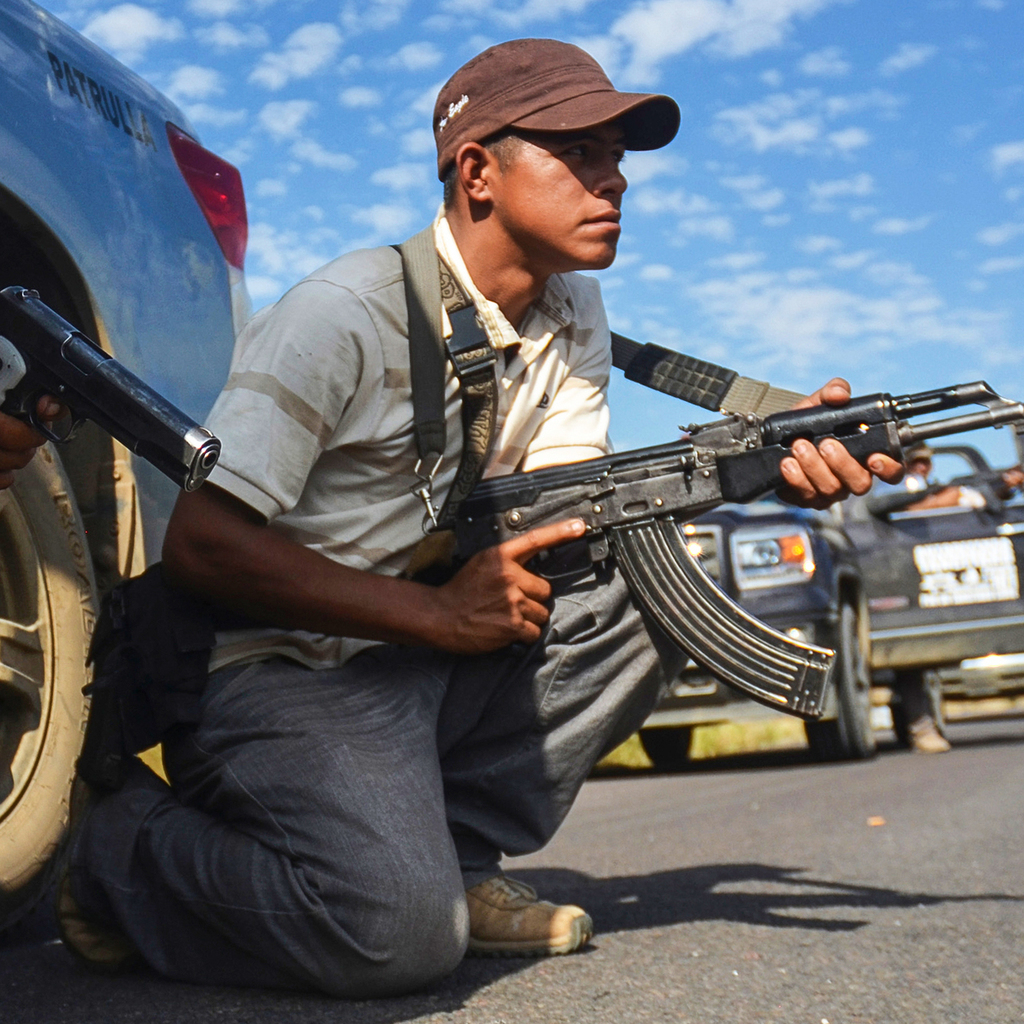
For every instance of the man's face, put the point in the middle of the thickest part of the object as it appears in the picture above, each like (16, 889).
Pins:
(921, 466)
(559, 199)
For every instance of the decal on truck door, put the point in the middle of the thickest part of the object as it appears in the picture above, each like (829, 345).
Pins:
(967, 572)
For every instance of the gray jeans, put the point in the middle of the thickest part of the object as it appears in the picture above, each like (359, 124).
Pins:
(322, 826)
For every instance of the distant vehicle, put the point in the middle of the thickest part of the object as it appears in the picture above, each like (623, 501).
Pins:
(943, 587)
(125, 225)
(796, 570)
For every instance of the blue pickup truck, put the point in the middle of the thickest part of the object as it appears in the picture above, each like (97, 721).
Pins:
(114, 213)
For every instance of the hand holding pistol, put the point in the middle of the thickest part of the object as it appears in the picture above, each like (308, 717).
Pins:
(42, 354)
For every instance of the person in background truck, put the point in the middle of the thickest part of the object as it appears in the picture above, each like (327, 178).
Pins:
(922, 728)
(337, 817)
(919, 479)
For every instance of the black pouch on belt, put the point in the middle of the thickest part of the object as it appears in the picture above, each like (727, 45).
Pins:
(151, 652)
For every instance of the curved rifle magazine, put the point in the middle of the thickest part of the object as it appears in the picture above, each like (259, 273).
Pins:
(700, 618)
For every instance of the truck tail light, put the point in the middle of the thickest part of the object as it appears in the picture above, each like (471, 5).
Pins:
(217, 186)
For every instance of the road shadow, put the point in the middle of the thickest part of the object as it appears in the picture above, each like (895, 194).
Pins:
(41, 984)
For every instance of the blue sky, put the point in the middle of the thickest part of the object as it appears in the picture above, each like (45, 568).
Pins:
(845, 196)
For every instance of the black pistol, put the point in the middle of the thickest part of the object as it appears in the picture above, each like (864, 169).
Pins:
(42, 354)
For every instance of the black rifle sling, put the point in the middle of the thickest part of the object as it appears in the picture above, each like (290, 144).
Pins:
(697, 382)
(428, 285)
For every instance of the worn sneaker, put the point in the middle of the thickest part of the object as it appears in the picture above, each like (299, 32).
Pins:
(100, 947)
(507, 919)
(925, 737)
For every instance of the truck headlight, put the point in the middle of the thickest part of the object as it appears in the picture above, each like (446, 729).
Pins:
(770, 558)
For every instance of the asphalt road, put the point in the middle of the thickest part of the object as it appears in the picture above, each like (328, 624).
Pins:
(755, 889)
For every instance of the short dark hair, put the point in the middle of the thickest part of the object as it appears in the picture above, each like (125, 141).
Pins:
(504, 145)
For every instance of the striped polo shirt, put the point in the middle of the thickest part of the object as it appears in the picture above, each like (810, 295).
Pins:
(317, 428)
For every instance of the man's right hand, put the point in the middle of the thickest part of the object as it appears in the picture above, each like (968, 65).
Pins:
(18, 441)
(493, 601)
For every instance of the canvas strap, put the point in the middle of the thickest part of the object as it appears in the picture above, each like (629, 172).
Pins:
(700, 383)
(428, 286)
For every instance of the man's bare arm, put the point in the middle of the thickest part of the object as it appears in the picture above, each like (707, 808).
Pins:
(219, 547)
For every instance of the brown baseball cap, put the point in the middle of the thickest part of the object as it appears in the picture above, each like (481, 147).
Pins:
(543, 85)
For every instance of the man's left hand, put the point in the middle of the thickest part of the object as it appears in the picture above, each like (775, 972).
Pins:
(817, 477)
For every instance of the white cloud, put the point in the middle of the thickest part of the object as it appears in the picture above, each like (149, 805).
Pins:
(218, 117)
(756, 192)
(313, 153)
(655, 30)
(801, 324)
(827, 63)
(814, 245)
(718, 229)
(222, 35)
(737, 261)
(514, 15)
(416, 57)
(822, 193)
(797, 121)
(372, 16)
(1006, 155)
(646, 166)
(307, 50)
(909, 55)
(852, 260)
(423, 105)
(262, 289)
(849, 139)
(386, 220)
(286, 255)
(1000, 234)
(270, 187)
(214, 8)
(192, 82)
(284, 118)
(402, 177)
(659, 202)
(1002, 265)
(128, 31)
(900, 225)
(656, 272)
(418, 142)
(360, 96)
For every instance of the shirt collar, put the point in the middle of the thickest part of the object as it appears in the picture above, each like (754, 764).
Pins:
(548, 314)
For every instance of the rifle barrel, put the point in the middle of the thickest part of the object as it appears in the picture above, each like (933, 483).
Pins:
(1012, 412)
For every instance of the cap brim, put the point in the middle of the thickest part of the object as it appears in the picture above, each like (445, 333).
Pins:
(649, 120)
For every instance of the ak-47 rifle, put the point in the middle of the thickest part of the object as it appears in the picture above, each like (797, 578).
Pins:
(635, 503)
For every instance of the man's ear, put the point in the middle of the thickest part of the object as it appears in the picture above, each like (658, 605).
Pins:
(475, 168)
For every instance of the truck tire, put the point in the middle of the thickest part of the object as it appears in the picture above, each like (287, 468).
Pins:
(849, 736)
(47, 613)
(668, 749)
